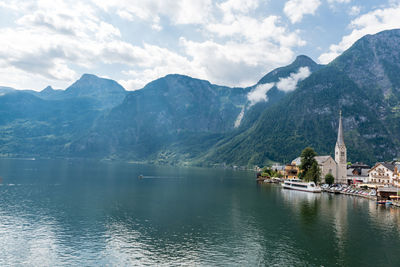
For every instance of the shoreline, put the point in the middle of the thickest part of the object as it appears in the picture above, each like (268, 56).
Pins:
(369, 197)
(374, 198)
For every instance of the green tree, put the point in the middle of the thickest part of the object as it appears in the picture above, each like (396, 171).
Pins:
(307, 160)
(329, 179)
(269, 172)
(313, 174)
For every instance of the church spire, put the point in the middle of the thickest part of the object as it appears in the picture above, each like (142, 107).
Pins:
(340, 140)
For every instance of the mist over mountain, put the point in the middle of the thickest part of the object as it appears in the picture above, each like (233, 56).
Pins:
(181, 120)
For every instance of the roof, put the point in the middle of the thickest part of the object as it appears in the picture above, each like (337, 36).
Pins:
(297, 161)
(387, 165)
(319, 159)
(322, 159)
(278, 167)
(364, 172)
(340, 139)
(360, 165)
(388, 189)
(390, 166)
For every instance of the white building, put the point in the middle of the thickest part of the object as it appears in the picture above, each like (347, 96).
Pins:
(383, 173)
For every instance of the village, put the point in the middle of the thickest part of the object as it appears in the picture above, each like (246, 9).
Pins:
(380, 182)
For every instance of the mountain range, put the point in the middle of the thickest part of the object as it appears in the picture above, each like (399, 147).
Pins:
(181, 120)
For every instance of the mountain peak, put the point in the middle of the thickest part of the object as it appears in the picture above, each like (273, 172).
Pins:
(304, 60)
(48, 89)
(87, 76)
(283, 72)
(107, 92)
(373, 61)
(92, 83)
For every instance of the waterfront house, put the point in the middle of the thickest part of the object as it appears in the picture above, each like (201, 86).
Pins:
(387, 192)
(383, 173)
(291, 171)
(396, 175)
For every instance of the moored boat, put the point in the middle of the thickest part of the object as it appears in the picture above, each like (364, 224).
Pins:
(297, 184)
(384, 202)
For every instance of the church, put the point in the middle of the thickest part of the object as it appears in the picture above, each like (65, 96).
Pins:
(338, 166)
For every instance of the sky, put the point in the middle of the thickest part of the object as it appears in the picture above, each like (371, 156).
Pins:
(227, 42)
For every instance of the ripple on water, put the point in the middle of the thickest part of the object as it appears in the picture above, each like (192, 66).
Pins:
(98, 215)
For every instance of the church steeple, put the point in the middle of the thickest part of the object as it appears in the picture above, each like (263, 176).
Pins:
(341, 155)
(340, 139)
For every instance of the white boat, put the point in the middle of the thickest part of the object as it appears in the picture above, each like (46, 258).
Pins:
(297, 184)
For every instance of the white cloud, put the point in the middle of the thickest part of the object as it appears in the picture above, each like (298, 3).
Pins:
(46, 44)
(256, 30)
(252, 47)
(53, 41)
(243, 6)
(296, 9)
(339, 1)
(178, 11)
(247, 45)
(52, 35)
(370, 23)
(235, 63)
(231, 8)
(158, 62)
(354, 10)
(259, 93)
(290, 83)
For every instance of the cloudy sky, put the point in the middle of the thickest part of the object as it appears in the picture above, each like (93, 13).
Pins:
(228, 42)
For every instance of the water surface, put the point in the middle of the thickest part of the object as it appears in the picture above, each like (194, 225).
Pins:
(85, 213)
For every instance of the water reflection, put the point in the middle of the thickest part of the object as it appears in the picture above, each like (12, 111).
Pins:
(88, 213)
(347, 229)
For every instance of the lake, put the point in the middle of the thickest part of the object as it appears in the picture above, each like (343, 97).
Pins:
(88, 213)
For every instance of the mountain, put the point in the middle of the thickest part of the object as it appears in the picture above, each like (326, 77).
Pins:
(362, 82)
(181, 120)
(4, 89)
(32, 126)
(106, 92)
(167, 110)
(175, 118)
(50, 93)
(45, 123)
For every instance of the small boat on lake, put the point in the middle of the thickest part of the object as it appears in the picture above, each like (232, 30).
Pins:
(296, 184)
(384, 202)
